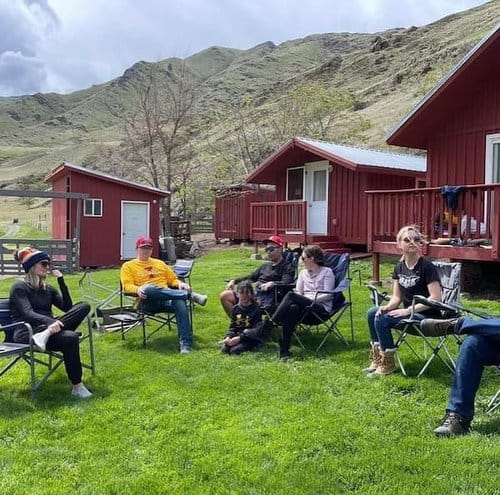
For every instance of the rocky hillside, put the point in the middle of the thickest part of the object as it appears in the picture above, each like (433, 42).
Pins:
(388, 72)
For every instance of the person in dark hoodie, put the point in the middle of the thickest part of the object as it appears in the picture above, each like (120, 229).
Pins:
(31, 301)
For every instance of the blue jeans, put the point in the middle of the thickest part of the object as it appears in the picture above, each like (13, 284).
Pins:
(489, 327)
(380, 327)
(165, 299)
(476, 352)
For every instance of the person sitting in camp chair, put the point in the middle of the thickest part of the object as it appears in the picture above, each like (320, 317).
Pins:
(31, 301)
(158, 289)
(312, 279)
(481, 348)
(413, 275)
(246, 331)
(268, 276)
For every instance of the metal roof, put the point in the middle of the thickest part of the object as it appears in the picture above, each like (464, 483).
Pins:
(112, 178)
(368, 157)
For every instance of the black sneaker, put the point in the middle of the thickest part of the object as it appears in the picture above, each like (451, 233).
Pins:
(285, 355)
(453, 424)
(432, 327)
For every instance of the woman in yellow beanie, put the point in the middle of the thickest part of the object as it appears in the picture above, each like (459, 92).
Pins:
(31, 300)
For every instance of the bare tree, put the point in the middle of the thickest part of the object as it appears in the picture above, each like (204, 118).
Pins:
(158, 128)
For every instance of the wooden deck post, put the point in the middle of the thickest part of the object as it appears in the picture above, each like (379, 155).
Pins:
(376, 269)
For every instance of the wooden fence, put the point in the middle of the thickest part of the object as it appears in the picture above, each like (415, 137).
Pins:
(63, 254)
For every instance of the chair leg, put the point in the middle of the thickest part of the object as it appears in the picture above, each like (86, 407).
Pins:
(494, 403)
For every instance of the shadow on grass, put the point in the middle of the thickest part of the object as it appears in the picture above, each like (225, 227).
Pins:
(489, 425)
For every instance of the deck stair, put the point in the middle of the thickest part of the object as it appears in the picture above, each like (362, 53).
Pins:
(329, 244)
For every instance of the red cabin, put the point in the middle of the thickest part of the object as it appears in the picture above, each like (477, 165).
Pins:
(458, 124)
(232, 209)
(115, 214)
(320, 188)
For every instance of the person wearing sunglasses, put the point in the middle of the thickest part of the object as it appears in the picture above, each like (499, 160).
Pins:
(31, 300)
(413, 275)
(277, 270)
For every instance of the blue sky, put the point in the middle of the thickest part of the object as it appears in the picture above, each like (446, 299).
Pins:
(65, 45)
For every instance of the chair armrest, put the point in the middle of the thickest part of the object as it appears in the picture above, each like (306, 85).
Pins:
(447, 309)
(17, 324)
(474, 312)
(376, 296)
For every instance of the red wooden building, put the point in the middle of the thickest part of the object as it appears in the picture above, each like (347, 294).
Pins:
(232, 209)
(458, 124)
(320, 188)
(116, 212)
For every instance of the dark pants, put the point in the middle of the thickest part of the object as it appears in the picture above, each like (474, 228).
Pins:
(66, 341)
(290, 311)
(242, 346)
(476, 352)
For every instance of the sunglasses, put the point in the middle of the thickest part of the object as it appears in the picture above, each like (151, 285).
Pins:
(270, 249)
(45, 264)
(415, 239)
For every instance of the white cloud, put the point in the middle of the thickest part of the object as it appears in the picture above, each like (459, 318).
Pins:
(71, 44)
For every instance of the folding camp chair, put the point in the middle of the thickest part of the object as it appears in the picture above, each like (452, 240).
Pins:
(449, 276)
(339, 263)
(50, 360)
(493, 403)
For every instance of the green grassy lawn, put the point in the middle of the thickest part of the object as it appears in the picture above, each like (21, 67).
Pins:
(207, 423)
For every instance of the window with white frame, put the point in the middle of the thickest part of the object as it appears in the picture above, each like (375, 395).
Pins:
(93, 208)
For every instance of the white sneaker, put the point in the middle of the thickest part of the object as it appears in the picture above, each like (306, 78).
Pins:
(200, 299)
(40, 340)
(81, 392)
(185, 349)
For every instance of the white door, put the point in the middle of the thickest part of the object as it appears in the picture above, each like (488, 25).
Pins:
(317, 197)
(135, 223)
(491, 170)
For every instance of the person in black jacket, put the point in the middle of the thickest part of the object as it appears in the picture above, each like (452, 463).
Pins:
(244, 332)
(31, 300)
(277, 270)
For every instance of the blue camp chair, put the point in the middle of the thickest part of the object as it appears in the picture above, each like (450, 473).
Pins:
(339, 263)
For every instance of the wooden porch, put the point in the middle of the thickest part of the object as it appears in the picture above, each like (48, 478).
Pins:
(470, 231)
(288, 219)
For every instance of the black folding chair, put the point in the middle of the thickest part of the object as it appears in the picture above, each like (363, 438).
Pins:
(449, 276)
(49, 360)
(329, 325)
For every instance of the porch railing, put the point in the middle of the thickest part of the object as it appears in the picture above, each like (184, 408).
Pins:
(287, 219)
(476, 214)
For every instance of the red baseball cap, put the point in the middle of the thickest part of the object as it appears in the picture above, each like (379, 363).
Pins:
(144, 242)
(276, 239)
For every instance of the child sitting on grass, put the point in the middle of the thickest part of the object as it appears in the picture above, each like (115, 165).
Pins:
(245, 330)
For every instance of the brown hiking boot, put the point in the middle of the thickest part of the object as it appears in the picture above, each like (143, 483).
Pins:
(431, 327)
(387, 364)
(453, 424)
(376, 357)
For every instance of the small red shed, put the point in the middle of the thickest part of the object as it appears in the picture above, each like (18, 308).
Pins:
(116, 212)
(232, 209)
(320, 190)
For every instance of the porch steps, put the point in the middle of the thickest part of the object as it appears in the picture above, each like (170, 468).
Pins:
(329, 244)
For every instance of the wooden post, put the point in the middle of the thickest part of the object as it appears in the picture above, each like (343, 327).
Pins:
(376, 269)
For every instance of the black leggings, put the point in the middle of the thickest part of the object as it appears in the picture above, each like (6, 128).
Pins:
(290, 311)
(66, 341)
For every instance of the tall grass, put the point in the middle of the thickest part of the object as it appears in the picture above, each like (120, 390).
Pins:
(207, 423)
